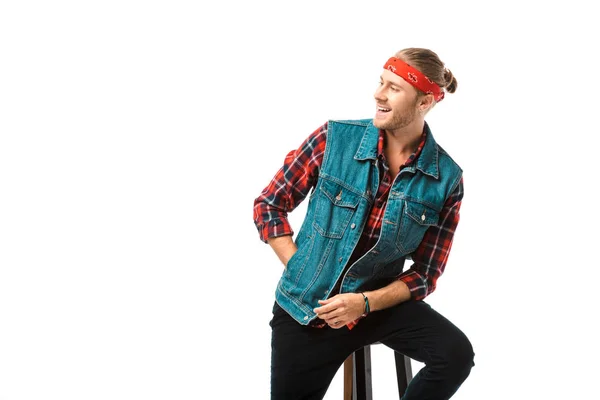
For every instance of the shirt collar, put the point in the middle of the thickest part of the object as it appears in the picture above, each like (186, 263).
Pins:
(426, 155)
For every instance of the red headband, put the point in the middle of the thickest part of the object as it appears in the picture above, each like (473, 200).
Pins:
(414, 77)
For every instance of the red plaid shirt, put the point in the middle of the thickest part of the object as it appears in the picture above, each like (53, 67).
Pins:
(294, 181)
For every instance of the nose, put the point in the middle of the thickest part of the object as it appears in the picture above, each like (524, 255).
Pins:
(379, 94)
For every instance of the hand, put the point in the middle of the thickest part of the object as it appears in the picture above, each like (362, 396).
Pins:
(341, 309)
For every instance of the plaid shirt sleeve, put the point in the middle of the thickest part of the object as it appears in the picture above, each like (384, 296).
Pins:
(432, 254)
(290, 185)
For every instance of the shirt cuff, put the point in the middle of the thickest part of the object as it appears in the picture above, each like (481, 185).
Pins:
(274, 228)
(416, 284)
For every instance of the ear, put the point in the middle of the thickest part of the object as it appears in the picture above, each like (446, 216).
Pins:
(426, 102)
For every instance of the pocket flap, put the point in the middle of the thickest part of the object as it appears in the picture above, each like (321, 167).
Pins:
(421, 213)
(339, 195)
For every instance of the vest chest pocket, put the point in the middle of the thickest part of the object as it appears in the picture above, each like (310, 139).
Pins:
(335, 207)
(414, 222)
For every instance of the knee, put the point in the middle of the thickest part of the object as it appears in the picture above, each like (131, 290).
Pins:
(460, 355)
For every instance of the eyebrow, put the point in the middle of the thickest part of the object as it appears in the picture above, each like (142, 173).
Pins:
(391, 83)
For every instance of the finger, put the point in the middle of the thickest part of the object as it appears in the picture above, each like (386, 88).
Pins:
(326, 316)
(336, 324)
(330, 317)
(329, 305)
(327, 312)
(326, 301)
(325, 309)
(331, 299)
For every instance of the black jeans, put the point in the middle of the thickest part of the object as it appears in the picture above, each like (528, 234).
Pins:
(305, 359)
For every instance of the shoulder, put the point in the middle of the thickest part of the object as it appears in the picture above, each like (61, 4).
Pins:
(348, 128)
(353, 122)
(446, 159)
(452, 170)
(318, 135)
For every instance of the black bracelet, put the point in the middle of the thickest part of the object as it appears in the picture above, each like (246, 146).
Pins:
(367, 308)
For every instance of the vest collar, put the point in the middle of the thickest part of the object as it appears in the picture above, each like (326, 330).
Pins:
(427, 162)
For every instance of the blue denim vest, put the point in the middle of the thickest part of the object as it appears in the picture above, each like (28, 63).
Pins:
(338, 209)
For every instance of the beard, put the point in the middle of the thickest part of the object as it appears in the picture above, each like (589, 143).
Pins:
(397, 119)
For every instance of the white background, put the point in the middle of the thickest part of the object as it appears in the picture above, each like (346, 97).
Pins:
(136, 135)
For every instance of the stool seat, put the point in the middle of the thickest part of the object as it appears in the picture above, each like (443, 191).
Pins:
(357, 374)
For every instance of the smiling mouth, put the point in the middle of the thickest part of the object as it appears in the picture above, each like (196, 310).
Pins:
(382, 109)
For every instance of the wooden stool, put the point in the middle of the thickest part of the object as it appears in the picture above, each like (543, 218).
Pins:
(357, 374)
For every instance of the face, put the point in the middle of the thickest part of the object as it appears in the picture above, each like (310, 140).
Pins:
(396, 102)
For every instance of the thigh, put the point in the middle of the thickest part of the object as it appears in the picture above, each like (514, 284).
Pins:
(418, 331)
(305, 359)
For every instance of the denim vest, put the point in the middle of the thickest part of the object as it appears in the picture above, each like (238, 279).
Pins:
(339, 207)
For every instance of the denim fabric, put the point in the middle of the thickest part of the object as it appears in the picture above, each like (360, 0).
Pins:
(339, 207)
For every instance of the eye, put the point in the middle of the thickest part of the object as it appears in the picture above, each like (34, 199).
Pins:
(394, 88)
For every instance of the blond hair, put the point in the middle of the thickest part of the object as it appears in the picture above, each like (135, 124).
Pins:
(430, 64)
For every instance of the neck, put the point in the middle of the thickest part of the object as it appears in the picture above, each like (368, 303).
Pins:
(405, 139)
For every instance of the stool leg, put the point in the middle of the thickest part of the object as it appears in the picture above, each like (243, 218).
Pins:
(363, 389)
(348, 377)
(403, 372)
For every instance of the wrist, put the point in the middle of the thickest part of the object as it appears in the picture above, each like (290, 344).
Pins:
(367, 308)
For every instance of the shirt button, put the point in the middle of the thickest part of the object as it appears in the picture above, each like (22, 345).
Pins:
(423, 217)
(353, 225)
(340, 259)
(306, 318)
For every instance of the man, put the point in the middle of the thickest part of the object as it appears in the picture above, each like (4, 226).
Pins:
(383, 191)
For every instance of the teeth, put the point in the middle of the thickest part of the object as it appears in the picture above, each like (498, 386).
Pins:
(382, 109)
